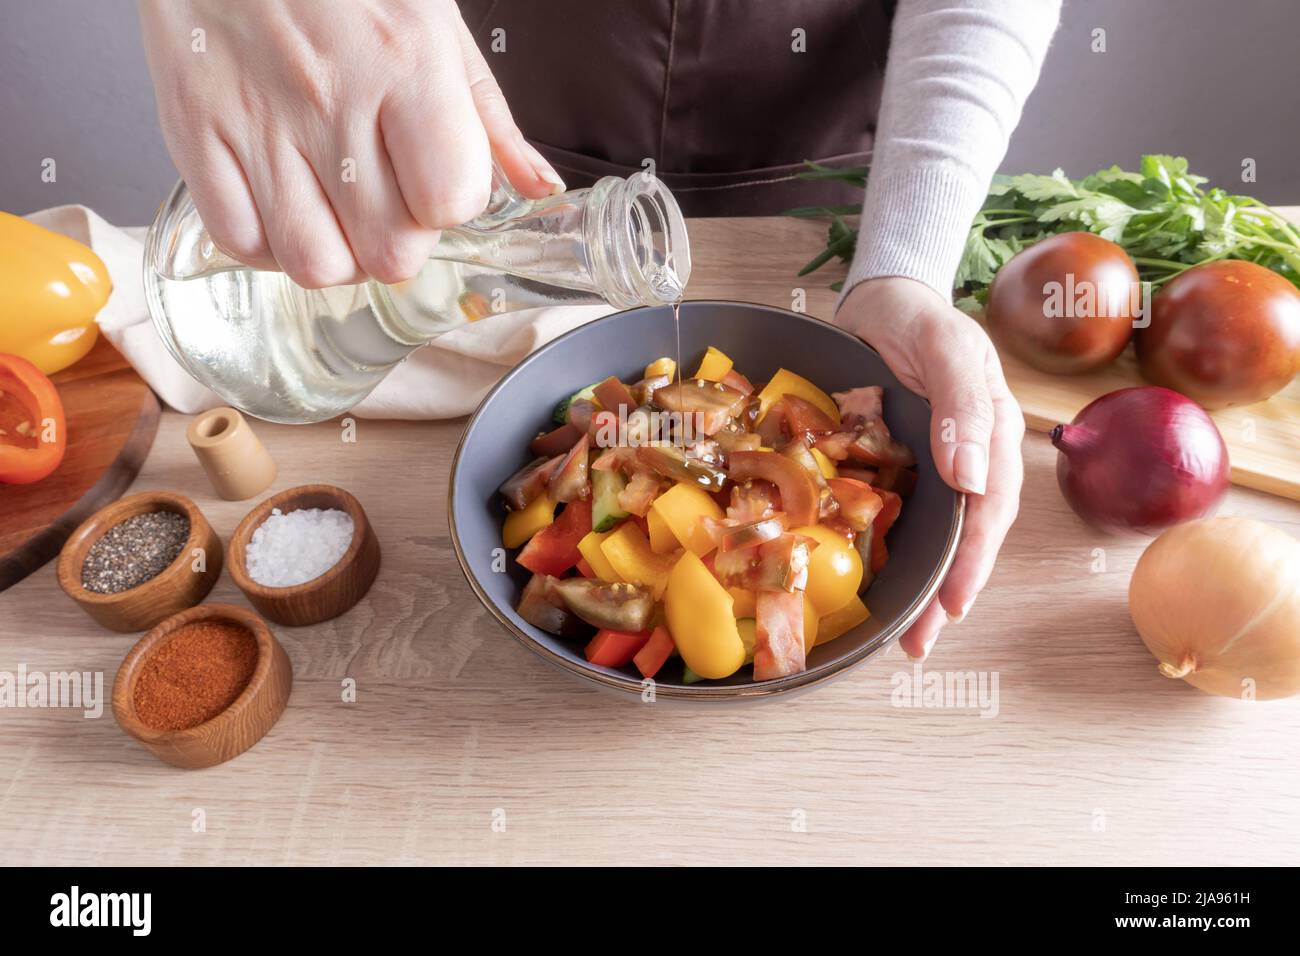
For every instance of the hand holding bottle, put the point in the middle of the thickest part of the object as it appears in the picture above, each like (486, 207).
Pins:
(332, 140)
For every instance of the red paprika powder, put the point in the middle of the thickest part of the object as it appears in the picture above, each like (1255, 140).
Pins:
(194, 675)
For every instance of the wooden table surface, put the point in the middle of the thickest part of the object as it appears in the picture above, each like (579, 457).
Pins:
(461, 747)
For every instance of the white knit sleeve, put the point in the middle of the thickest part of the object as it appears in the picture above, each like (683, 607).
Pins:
(957, 76)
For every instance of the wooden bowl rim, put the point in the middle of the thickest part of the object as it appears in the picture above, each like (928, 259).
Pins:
(128, 670)
(243, 533)
(70, 577)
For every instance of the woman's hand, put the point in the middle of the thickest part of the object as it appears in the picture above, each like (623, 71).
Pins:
(975, 430)
(332, 140)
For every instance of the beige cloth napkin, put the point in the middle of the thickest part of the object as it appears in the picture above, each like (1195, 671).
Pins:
(446, 379)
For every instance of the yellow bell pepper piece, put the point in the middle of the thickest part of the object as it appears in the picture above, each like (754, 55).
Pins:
(842, 621)
(827, 466)
(787, 383)
(661, 366)
(662, 539)
(628, 551)
(745, 602)
(50, 289)
(520, 526)
(681, 507)
(590, 548)
(700, 620)
(747, 628)
(714, 366)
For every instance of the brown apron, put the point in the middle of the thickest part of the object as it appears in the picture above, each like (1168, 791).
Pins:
(715, 92)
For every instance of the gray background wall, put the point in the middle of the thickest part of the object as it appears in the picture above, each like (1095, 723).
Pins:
(1214, 80)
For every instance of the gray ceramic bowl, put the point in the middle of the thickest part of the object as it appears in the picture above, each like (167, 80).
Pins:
(760, 339)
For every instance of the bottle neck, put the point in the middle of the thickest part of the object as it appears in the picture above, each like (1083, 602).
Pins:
(637, 247)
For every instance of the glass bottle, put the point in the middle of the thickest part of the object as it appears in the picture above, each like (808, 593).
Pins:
(288, 354)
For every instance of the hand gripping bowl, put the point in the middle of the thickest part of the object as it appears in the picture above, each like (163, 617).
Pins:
(760, 339)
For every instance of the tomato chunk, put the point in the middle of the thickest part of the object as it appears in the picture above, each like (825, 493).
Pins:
(859, 503)
(799, 499)
(891, 506)
(779, 644)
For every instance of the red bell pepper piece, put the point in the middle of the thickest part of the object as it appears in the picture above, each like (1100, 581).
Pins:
(615, 648)
(655, 653)
(554, 549)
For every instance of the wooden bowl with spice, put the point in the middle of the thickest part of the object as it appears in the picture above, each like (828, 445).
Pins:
(305, 555)
(140, 559)
(203, 686)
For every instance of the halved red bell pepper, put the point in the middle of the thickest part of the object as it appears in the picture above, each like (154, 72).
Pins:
(33, 429)
(554, 549)
(798, 492)
(655, 653)
(616, 648)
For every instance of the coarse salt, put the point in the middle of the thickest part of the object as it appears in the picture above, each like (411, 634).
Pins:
(289, 549)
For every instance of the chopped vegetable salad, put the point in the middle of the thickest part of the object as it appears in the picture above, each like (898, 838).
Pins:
(709, 523)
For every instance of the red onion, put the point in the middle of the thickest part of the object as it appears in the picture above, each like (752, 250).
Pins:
(1141, 459)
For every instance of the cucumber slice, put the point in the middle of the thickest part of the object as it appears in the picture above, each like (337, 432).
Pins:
(561, 414)
(689, 676)
(605, 488)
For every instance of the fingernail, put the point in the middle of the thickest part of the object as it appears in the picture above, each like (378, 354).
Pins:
(929, 646)
(961, 615)
(544, 170)
(970, 467)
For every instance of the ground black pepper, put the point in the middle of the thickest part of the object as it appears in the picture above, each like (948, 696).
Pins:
(133, 551)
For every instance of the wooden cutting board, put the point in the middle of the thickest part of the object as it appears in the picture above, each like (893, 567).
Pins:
(112, 418)
(1263, 439)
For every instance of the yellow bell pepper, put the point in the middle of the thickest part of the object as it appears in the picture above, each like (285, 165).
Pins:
(51, 287)
(520, 526)
(628, 552)
(662, 539)
(787, 383)
(700, 620)
(842, 621)
(827, 467)
(681, 507)
(714, 366)
(745, 602)
(661, 366)
(747, 628)
(590, 548)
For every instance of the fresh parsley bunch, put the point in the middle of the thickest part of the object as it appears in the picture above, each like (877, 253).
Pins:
(1160, 215)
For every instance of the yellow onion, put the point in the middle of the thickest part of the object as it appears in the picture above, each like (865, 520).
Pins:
(1217, 601)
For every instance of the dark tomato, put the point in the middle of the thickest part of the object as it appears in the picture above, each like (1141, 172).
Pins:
(1223, 333)
(1066, 304)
